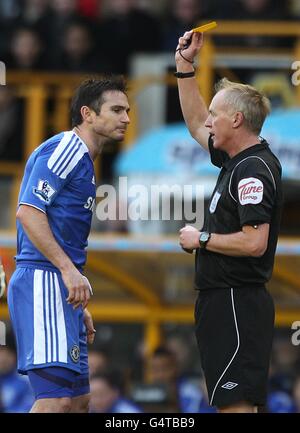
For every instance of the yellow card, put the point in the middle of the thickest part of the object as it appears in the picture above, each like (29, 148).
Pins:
(205, 27)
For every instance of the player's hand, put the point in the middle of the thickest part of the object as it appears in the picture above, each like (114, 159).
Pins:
(2, 280)
(189, 238)
(90, 330)
(78, 286)
(190, 44)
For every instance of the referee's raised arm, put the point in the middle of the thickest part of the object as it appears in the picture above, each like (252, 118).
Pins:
(193, 107)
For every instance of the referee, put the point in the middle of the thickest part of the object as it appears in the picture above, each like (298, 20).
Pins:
(235, 249)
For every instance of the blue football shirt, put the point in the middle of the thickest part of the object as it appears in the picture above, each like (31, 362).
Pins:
(59, 180)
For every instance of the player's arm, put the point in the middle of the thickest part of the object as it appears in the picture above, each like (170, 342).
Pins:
(36, 226)
(250, 242)
(193, 107)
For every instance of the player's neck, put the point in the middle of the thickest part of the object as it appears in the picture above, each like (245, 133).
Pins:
(93, 143)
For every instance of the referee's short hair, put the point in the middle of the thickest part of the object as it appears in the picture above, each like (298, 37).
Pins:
(90, 93)
(248, 100)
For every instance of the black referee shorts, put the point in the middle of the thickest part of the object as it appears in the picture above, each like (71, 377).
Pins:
(234, 330)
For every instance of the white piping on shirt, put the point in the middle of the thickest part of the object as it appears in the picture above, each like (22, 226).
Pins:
(229, 186)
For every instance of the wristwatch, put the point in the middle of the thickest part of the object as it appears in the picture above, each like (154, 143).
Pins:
(203, 239)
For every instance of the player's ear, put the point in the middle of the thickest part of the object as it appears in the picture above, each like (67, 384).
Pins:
(238, 119)
(86, 113)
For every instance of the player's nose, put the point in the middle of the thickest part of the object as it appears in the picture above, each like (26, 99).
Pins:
(126, 118)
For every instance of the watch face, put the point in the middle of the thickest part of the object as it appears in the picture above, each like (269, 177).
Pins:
(204, 236)
(203, 239)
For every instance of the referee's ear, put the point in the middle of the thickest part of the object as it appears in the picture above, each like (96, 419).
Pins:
(238, 119)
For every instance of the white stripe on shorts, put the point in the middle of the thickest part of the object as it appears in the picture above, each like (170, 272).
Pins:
(47, 317)
(49, 320)
(39, 341)
(52, 316)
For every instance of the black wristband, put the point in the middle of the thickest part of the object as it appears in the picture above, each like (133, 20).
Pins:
(184, 74)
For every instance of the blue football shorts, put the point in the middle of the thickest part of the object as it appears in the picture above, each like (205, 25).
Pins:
(49, 332)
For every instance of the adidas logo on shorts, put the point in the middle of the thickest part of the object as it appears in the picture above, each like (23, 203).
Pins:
(229, 385)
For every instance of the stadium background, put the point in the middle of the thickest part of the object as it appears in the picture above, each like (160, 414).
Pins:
(143, 284)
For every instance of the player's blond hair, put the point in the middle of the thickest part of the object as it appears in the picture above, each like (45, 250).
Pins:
(248, 100)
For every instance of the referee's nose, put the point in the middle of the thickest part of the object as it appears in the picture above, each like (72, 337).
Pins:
(207, 122)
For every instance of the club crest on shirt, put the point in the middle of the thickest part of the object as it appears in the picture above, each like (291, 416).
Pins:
(44, 191)
(75, 353)
(214, 202)
(250, 191)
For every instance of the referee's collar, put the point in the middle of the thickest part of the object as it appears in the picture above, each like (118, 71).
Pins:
(252, 150)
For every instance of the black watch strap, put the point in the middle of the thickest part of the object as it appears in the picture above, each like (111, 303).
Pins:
(203, 239)
(184, 74)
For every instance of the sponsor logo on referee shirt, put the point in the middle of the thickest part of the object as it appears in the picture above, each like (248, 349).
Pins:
(250, 191)
(229, 385)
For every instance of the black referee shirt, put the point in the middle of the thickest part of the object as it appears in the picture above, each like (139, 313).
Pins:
(248, 192)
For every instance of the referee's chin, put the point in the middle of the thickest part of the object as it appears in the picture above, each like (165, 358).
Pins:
(212, 139)
(216, 145)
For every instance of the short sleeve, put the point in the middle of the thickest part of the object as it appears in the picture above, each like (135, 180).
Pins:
(49, 171)
(217, 157)
(43, 185)
(253, 188)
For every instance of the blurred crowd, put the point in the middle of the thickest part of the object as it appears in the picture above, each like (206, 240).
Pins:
(167, 381)
(101, 36)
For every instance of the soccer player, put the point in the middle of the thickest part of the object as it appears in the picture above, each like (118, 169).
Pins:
(236, 247)
(48, 293)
